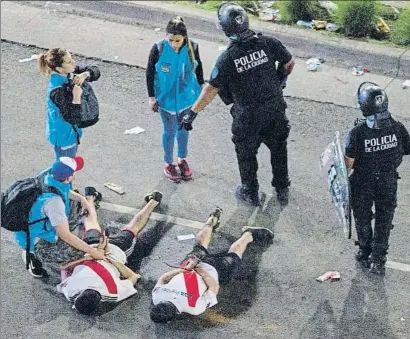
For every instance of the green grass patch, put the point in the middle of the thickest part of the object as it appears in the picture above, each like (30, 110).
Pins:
(401, 31)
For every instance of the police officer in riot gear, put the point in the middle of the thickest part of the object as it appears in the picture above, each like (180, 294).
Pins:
(247, 76)
(374, 150)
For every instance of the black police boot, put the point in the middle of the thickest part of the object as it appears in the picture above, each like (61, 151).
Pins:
(283, 195)
(248, 195)
(377, 268)
(362, 257)
(377, 264)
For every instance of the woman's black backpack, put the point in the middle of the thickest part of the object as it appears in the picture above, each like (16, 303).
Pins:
(89, 113)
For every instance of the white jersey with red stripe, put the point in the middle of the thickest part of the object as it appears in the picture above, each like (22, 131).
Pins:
(100, 276)
(187, 291)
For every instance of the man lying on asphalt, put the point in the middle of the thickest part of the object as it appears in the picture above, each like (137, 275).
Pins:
(94, 281)
(194, 286)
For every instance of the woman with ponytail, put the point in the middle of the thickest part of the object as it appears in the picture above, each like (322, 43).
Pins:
(174, 79)
(58, 63)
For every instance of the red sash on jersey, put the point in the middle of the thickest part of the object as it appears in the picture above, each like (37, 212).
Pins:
(192, 287)
(104, 274)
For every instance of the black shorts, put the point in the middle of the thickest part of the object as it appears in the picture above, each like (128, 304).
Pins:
(124, 239)
(225, 263)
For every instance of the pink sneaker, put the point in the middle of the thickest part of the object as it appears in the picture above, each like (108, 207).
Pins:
(172, 173)
(186, 172)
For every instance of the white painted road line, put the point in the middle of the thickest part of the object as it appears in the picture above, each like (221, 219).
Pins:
(155, 216)
(198, 225)
(398, 266)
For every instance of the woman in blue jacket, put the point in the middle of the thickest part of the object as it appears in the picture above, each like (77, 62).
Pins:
(58, 62)
(174, 79)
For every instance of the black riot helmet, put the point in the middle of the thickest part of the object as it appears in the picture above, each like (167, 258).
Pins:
(232, 18)
(372, 99)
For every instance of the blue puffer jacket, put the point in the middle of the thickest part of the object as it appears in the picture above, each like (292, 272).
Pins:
(43, 230)
(176, 86)
(59, 132)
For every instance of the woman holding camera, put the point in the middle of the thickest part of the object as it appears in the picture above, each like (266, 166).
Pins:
(174, 78)
(58, 62)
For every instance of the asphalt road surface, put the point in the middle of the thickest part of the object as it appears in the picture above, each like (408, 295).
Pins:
(275, 295)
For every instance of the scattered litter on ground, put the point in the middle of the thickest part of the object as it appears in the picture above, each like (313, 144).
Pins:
(402, 319)
(359, 70)
(313, 64)
(331, 275)
(157, 29)
(33, 57)
(269, 14)
(135, 130)
(115, 57)
(382, 25)
(406, 84)
(319, 24)
(114, 187)
(222, 48)
(305, 24)
(332, 27)
(185, 237)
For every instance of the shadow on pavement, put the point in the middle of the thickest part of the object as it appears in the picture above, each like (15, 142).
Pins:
(366, 312)
(364, 315)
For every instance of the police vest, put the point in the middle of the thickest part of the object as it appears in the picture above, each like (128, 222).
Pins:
(254, 80)
(379, 150)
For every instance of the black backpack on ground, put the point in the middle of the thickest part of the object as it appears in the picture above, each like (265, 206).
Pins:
(16, 204)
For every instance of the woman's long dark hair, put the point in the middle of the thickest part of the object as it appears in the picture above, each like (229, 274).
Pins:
(177, 27)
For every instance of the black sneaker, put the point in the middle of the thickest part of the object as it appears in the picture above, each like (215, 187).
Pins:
(157, 196)
(259, 234)
(35, 268)
(216, 214)
(283, 195)
(362, 256)
(92, 192)
(248, 195)
(377, 268)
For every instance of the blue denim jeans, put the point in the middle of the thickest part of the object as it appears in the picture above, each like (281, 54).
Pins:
(170, 132)
(65, 152)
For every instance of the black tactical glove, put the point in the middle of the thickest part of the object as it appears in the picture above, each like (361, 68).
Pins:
(187, 120)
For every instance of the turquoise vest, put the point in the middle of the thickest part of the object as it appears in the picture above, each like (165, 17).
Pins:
(43, 230)
(59, 132)
(176, 86)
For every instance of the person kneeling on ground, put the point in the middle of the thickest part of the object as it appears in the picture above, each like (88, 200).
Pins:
(194, 286)
(49, 214)
(95, 281)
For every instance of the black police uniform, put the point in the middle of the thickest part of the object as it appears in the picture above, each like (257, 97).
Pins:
(377, 154)
(246, 75)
